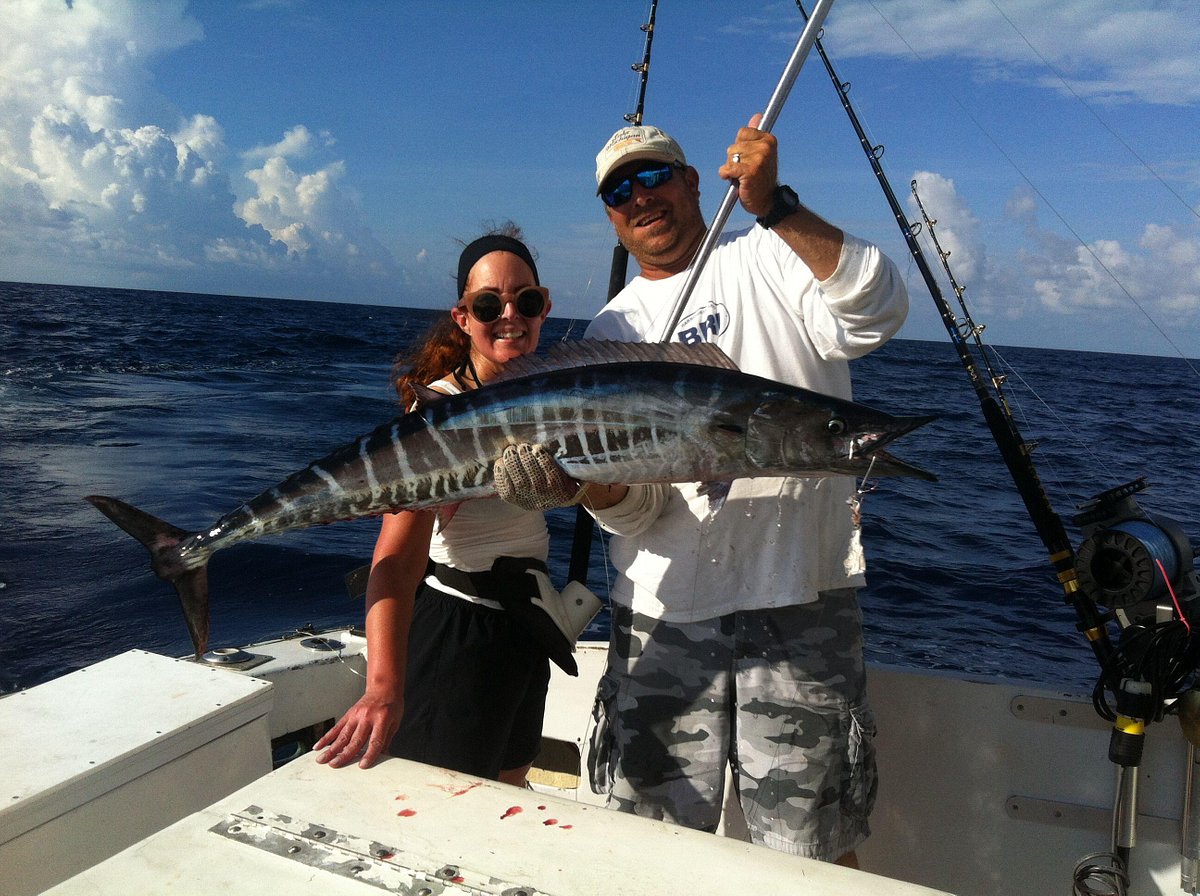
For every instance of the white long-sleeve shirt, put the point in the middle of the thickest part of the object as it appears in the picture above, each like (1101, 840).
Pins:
(775, 542)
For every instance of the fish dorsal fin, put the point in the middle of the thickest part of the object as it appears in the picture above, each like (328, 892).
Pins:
(585, 352)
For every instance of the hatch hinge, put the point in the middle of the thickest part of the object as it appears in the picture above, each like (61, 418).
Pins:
(358, 858)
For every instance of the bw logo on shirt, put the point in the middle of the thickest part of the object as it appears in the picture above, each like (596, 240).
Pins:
(703, 325)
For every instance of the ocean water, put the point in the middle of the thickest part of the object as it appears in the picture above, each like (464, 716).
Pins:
(186, 405)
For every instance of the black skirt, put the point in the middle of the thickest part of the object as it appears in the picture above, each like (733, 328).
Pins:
(475, 688)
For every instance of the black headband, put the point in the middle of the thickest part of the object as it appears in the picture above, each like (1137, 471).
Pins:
(491, 243)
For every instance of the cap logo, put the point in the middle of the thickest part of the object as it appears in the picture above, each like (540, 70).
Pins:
(631, 140)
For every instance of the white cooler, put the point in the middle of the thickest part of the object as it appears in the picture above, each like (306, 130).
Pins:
(100, 758)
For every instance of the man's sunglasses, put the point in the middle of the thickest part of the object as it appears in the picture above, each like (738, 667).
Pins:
(649, 176)
(486, 305)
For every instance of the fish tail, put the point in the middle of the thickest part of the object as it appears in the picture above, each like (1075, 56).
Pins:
(162, 540)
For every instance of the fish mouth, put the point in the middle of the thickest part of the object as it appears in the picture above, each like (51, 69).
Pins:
(866, 441)
(881, 463)
(865, 451)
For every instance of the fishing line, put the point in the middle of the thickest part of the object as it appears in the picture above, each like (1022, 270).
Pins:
(1063, 427)
(1062, 220)
(603, 545)
(341, 659)
(1067, 85)
(1174, 597)
(339, 652)
(1014, 450)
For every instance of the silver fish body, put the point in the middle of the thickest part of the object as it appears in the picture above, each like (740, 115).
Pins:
(632, 413)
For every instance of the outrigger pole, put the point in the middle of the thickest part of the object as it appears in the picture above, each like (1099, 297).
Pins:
(790, 72)
(581, 544)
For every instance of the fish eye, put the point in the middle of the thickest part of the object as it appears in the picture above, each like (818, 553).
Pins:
(836, 426)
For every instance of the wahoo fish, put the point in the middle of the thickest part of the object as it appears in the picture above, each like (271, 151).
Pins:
(609, 412)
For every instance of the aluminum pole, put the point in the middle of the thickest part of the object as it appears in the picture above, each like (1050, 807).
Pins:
(808, 37)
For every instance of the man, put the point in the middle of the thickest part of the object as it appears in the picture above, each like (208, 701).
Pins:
(736, 635)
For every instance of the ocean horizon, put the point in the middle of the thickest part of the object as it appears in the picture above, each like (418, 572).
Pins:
(186, 404)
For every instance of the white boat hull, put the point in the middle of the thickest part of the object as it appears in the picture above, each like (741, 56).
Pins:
(986, 787)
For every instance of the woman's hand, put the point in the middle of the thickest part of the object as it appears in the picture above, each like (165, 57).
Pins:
(364, 732)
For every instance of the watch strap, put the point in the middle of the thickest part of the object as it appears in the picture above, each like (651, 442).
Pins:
(784, 202)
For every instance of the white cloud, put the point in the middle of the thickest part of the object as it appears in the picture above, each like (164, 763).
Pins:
(1083, 286)
(1140, 49)
(955, 225)
(99, 173)
(297, 143)
(203, 135)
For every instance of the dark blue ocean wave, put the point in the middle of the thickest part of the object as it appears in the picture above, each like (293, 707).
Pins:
(186, 405)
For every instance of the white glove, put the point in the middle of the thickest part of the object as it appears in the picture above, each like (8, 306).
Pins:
(529, 477)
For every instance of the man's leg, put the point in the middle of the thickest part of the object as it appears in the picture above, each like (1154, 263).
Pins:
(805, 757)
(662, 742)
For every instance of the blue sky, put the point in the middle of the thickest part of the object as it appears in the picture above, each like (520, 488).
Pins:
(337, 151)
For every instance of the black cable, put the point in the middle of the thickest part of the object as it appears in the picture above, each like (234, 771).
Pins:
(1100, 874)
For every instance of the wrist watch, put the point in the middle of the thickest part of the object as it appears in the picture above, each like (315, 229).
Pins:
(784, 202)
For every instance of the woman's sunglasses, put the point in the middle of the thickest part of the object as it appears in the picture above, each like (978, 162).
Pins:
(486, 305)
(649, 176)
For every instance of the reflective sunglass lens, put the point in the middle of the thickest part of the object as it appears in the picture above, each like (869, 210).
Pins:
(654, 177)
(619, 194)
(649, 178)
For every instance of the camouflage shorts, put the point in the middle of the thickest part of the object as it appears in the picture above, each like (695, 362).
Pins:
(779, 694)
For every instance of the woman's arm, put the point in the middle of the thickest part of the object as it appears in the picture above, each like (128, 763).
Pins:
(397, 567)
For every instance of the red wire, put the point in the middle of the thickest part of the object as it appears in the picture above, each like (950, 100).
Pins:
(1174, 599)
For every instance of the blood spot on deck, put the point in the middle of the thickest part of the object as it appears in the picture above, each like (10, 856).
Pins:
(512, 810)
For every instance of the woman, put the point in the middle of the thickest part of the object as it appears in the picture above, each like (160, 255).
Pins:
(451, 678)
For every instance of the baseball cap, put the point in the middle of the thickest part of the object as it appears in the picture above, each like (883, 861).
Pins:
(633, 143)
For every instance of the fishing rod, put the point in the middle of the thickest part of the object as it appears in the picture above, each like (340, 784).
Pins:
(1015, 451)
(581, 541)
(1129, 561)
(1156, 659)
(790, 72)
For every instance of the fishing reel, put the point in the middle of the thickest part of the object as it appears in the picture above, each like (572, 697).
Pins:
(1141, 567)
